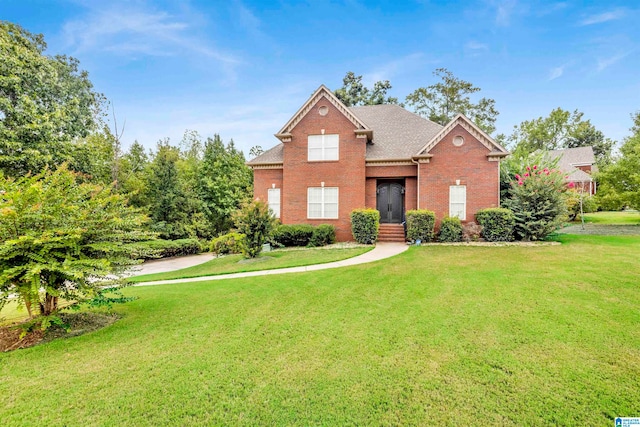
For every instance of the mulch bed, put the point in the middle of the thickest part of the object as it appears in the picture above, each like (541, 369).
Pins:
(79, 323)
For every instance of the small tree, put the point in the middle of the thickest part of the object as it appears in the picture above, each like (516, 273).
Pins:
(63, 239)
(255, 221)
(537, 202)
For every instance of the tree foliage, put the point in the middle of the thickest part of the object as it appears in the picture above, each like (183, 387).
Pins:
(619, 183)
(561, 129)
(353, 92)
(442, 101)
(255, 221)
(62, 239)
(45, 102)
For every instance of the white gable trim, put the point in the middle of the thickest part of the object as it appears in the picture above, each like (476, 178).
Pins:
(495, 148)
(321, 92)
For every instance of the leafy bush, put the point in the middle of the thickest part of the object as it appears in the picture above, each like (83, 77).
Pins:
(230, 243)
(450, 230)
(471, 232)
(255, 221)
(364, 225)
(537, 202)
(420, 225)
(572, 201)
(324, 234)
(292, 235)
(164, 248)
(497, 224)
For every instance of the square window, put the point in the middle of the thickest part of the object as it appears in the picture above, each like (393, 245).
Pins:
(323, 147)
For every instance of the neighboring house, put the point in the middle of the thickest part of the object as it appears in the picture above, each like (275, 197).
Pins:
(578, 164)
(333, 159)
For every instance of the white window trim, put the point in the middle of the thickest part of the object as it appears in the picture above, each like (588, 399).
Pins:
(322, 203)
(276, 214)
(323, 148)
(464, 203)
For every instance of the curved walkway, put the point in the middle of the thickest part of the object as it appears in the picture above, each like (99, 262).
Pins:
(381, 251)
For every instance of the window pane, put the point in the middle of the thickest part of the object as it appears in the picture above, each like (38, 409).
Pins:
(331, 141)
(457, 209)
(331, 153)
(315, 195)
(331, 195)
(315, 210)
(315, 141)
(331, 210)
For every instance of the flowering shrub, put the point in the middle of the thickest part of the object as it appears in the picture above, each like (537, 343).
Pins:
(537, 202)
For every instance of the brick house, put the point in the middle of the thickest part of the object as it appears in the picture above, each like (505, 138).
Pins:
(579, 165)
(333, 159)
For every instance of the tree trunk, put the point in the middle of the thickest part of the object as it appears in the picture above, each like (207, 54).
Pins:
(49, 305)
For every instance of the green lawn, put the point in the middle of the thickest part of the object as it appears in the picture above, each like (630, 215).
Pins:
(439, 335)
(267, 261)
(626, 217)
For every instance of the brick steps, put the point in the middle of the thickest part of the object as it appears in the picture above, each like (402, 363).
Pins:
(391, 233)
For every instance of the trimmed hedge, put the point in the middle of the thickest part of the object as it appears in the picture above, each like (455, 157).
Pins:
(230, 243)
(292, 235)
(450, 230)
(364, 225)
(420, 225)
(324, 234)
(159, 248)
(497, 224)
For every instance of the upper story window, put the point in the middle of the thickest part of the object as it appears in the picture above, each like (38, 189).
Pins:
(323, 147)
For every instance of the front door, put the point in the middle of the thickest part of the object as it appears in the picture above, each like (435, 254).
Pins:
(390, 202)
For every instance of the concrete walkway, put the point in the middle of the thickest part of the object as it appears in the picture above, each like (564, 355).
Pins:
(381, 251)
(170, 264)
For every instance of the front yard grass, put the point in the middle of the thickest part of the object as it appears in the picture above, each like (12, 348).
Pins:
(282, 258)
(623, 217)
(439, 335)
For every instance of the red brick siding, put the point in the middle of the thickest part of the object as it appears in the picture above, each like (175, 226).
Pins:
(262, 182)
(400, 171)
(586, 168)
(467, 163)
(348, 173)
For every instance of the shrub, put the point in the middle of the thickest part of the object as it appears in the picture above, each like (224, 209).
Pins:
(537, 202)
(364, 225)
(420, 225)
(572, 202)
(324, 234)
(292, 235)
(230, 243)
(471, 232)
(164, 248)
(450, 230)
(255, 221)
(497, 224)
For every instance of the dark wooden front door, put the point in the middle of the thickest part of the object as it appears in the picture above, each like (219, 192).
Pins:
(390, 202)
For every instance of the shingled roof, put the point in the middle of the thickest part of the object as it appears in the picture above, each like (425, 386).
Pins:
(397, 134)
(572, 157)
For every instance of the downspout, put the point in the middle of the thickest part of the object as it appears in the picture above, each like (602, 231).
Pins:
(417, 162)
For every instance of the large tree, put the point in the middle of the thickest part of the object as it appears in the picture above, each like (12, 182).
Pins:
(442, 101)
(45, 102)
(619, 183)
(62, 238)
(560, 129)
(353, 92)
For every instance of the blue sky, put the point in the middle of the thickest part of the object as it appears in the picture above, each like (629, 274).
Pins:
(243, 68)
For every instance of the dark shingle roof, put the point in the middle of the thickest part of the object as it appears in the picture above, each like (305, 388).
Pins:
(570, 157)
(271, 156)
(397, 134)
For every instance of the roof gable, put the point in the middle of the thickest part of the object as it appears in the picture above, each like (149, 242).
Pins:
(322, 92)
(494, 148)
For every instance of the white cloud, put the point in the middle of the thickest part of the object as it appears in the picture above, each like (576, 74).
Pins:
(611, 15)
(132, 30)
(556, 72)
(504, 10)
(611, 60)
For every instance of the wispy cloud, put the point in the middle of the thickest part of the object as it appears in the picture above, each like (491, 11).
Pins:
(599, 18)
(604, 63)
(133, 30)
(504, 10)
(475, 48)
(556, 72)
(387, 70)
